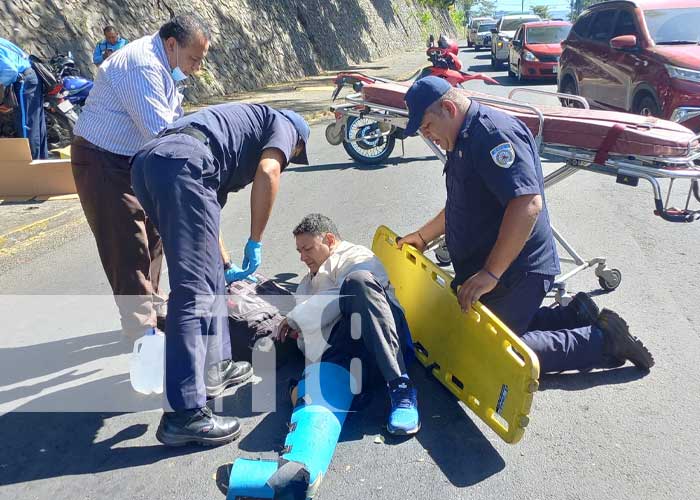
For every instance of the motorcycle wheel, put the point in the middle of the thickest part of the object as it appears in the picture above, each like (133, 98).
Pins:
(371, 151)
(59, 128)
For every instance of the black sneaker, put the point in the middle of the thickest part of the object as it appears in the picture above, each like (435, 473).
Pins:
(587, 311)
(198, 426)
(226, 374)
(619, 344)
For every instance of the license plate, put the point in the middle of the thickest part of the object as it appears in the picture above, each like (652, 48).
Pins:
(65, 106)
(555, 69)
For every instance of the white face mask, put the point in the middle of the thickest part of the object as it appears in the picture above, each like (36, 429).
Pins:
(177, 73)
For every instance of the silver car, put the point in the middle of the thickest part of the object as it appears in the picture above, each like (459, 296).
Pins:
(504, 32)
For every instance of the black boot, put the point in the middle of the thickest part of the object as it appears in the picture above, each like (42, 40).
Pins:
(199, 426)
(619, 344)
(226, 374)
(587, 311)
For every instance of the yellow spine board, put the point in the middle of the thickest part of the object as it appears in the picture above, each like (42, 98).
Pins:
(474, 355)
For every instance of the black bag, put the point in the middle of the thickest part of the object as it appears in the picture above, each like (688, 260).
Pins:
(255, 310)
(9, 98)
(43, 73)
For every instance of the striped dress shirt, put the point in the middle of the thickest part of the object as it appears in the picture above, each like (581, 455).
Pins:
(134, 98)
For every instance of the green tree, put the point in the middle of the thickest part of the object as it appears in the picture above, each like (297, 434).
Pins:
(542, 11)
(484, 8)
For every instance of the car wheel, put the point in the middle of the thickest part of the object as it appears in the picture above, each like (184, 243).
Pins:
(569, 87)
(519, 74)
(477, 48)
(647, 106)
(510, 70)
(494, 63)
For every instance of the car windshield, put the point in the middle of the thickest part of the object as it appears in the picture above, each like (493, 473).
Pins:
(514, 24)
(486, 27)
(550, 34)
(668, 26)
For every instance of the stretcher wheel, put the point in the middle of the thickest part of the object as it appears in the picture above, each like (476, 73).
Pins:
(609, 279)
(442, 256)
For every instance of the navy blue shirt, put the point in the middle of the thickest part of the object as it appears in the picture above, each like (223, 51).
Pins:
(238, 134)
(495, 160)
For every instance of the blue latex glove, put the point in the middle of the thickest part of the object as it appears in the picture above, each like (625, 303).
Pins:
(235, 273)
(252, 256)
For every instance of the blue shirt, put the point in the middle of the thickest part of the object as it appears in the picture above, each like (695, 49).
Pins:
(133, 99)
(238, 134)
(13, 62)
(495, 160)
(104, 45)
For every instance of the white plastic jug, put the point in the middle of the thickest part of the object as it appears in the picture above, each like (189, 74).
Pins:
(147, 363)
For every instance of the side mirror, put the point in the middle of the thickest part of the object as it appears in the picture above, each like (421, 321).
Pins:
(431, 41)
(624, 42)
(517, 43)
(494, 30)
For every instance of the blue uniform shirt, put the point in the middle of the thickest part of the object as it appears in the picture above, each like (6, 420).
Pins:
(104, 45)
(13, 62)
(495, 160)
(238, 133)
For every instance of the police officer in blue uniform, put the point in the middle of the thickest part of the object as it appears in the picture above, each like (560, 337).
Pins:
(30, 121)
(182, 179)
(499, 237)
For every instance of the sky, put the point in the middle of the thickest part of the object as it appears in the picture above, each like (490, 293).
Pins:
(514, 5)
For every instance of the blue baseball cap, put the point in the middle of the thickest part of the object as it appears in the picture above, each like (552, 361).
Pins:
(302, 129)
(420, 96)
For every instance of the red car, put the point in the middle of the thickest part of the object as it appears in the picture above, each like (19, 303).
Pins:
(536, 48)
(640, 56)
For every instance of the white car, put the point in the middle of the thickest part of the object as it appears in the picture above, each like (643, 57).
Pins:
(503, 34)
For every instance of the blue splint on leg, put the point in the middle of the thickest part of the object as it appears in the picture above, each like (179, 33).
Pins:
(324, 398)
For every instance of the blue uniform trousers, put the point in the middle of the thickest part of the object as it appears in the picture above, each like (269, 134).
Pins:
(176, 183)
(558, 338)
(30, 119)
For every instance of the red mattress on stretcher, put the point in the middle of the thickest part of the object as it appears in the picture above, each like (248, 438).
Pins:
(578, 128)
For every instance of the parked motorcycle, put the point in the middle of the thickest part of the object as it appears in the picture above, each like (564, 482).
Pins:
(370, 142)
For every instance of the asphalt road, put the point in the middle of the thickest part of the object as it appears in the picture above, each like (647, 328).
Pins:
(72, 431)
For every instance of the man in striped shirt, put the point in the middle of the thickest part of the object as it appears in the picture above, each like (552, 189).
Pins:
(134, 98)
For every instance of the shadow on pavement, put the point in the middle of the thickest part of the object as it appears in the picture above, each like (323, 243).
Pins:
(583, 381)
(399, 160)
(42, 445)
(50, 357)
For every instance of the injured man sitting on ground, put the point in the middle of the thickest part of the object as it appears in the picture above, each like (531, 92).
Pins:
(347, 311)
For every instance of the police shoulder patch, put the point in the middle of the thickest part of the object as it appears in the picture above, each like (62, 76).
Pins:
(503, 155)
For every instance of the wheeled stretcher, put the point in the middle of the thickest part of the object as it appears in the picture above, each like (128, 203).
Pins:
(621, 145)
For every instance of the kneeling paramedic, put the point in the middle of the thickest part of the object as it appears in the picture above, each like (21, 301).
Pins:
(499, 236)
(182, 179)
(347, 311)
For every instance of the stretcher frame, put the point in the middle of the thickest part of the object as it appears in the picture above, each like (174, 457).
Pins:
(626, 169)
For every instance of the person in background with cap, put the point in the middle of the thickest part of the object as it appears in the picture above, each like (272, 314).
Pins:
(182, 180)
(499, 236)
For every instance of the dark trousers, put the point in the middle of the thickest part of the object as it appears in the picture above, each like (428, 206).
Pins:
(371, 329)
(128, 244)
(176, 183)
(555, 335)
(30, 119)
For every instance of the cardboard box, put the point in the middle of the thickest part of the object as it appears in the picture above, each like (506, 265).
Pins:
(20, 176)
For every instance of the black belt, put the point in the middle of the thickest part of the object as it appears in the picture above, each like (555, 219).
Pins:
(188, 130)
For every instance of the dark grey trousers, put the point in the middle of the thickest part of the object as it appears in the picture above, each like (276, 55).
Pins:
(371, 329)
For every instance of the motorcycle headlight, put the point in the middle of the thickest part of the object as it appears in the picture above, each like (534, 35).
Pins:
(529, 56)
(683, 73)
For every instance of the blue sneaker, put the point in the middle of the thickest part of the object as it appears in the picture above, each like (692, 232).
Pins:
(403, 419)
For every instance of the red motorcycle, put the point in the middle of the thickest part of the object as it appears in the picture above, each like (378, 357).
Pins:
(371, 142)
